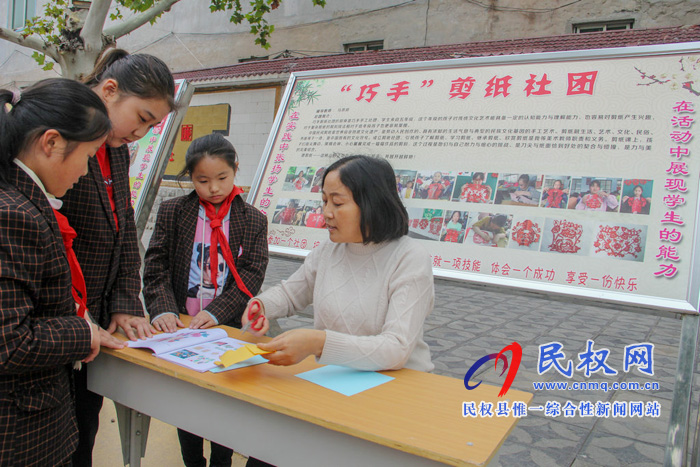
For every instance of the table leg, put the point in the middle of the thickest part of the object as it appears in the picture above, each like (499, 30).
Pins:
(133, 431)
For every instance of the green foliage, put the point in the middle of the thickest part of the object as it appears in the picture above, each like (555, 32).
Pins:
(41, 60)
(48, 27)
(54, 27)
(255, 16)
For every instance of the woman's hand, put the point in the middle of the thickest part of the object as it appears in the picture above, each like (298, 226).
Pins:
(293, 346)
(168, 322)
(129, 323)
(262, 324)
(202, 320)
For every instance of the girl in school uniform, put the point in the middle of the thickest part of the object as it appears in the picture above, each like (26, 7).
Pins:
(210, 237)
(47, 135)
(138, 91)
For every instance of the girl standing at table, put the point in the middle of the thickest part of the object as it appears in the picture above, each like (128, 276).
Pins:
(138, 91)
(371, 285)
(212, 218)
(47, 135)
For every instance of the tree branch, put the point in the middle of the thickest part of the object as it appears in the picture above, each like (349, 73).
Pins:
(31, 42)
(139, 20)
(94, 23)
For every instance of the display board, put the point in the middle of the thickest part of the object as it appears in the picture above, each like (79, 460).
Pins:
(569, 173)
(150, 155)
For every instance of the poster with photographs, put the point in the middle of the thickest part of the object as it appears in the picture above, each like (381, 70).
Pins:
(573, 175)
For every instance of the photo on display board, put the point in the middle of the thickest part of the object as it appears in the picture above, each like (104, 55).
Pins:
(636, 196)
(288, 211)
(405, 181)
(475, 187)
(489, 229)
(519, 189)
(298, 179)
(434, 184)
(595, 194)
(526, 233)
(316, 184)
(454, 226)
(425, 224)
(313, 215)
(555, 191)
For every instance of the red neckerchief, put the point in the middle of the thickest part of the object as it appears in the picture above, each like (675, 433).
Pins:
(106, 170)
(77, 279)
(218, 238)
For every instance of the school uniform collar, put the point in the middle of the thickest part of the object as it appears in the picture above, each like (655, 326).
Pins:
(53, 201)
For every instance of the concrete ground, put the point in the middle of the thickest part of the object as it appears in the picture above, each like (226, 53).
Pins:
(470, 322)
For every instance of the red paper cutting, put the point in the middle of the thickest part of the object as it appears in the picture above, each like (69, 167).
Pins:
(618, 241)
(526, 233)
(473, 193)
(566, 236)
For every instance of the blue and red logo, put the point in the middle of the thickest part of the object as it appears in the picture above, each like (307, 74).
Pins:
(517, 353)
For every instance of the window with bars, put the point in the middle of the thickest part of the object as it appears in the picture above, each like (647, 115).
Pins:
(362, 46)
(600, 26)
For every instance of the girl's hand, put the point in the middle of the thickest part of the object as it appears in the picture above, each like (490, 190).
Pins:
(293, 346)
(625, 198)
(108, 340)
(168, 322)
(94, 341)
(259, 327)
(202, 320)
(129, 323)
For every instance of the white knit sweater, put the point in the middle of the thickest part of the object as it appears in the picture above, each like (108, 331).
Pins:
(371, 300)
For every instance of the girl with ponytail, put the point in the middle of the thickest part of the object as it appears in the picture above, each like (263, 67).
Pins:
(47, 136)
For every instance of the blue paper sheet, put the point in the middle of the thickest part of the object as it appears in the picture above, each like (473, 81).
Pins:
(344, 380)
(257, 360)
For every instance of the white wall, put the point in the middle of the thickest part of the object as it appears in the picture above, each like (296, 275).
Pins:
(252, 115)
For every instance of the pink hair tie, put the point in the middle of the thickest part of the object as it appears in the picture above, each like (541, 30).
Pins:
(16, 95)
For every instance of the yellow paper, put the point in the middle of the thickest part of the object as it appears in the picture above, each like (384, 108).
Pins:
(230, 357)
(257, 350)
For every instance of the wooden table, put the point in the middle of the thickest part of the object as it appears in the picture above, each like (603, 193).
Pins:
(267, 412)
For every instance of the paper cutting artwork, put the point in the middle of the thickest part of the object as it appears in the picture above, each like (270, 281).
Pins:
(473, 193)
(526, 233)
(566, 237)
(245, 352)
(618, 241)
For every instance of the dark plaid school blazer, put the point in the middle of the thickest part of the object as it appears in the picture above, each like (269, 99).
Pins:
(109, 258)
(167, 262)
(40, 333)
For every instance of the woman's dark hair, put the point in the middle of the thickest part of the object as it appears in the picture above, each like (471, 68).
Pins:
(524, 177)
(594, 182)
(373, 186)
(478, 175)
(638, 186)
(213, 145)
(64, 105)
(139, 75)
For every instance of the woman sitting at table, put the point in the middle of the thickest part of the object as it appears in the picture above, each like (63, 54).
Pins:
(371, 285)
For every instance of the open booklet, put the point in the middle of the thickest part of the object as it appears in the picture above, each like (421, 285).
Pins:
(198, 349)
